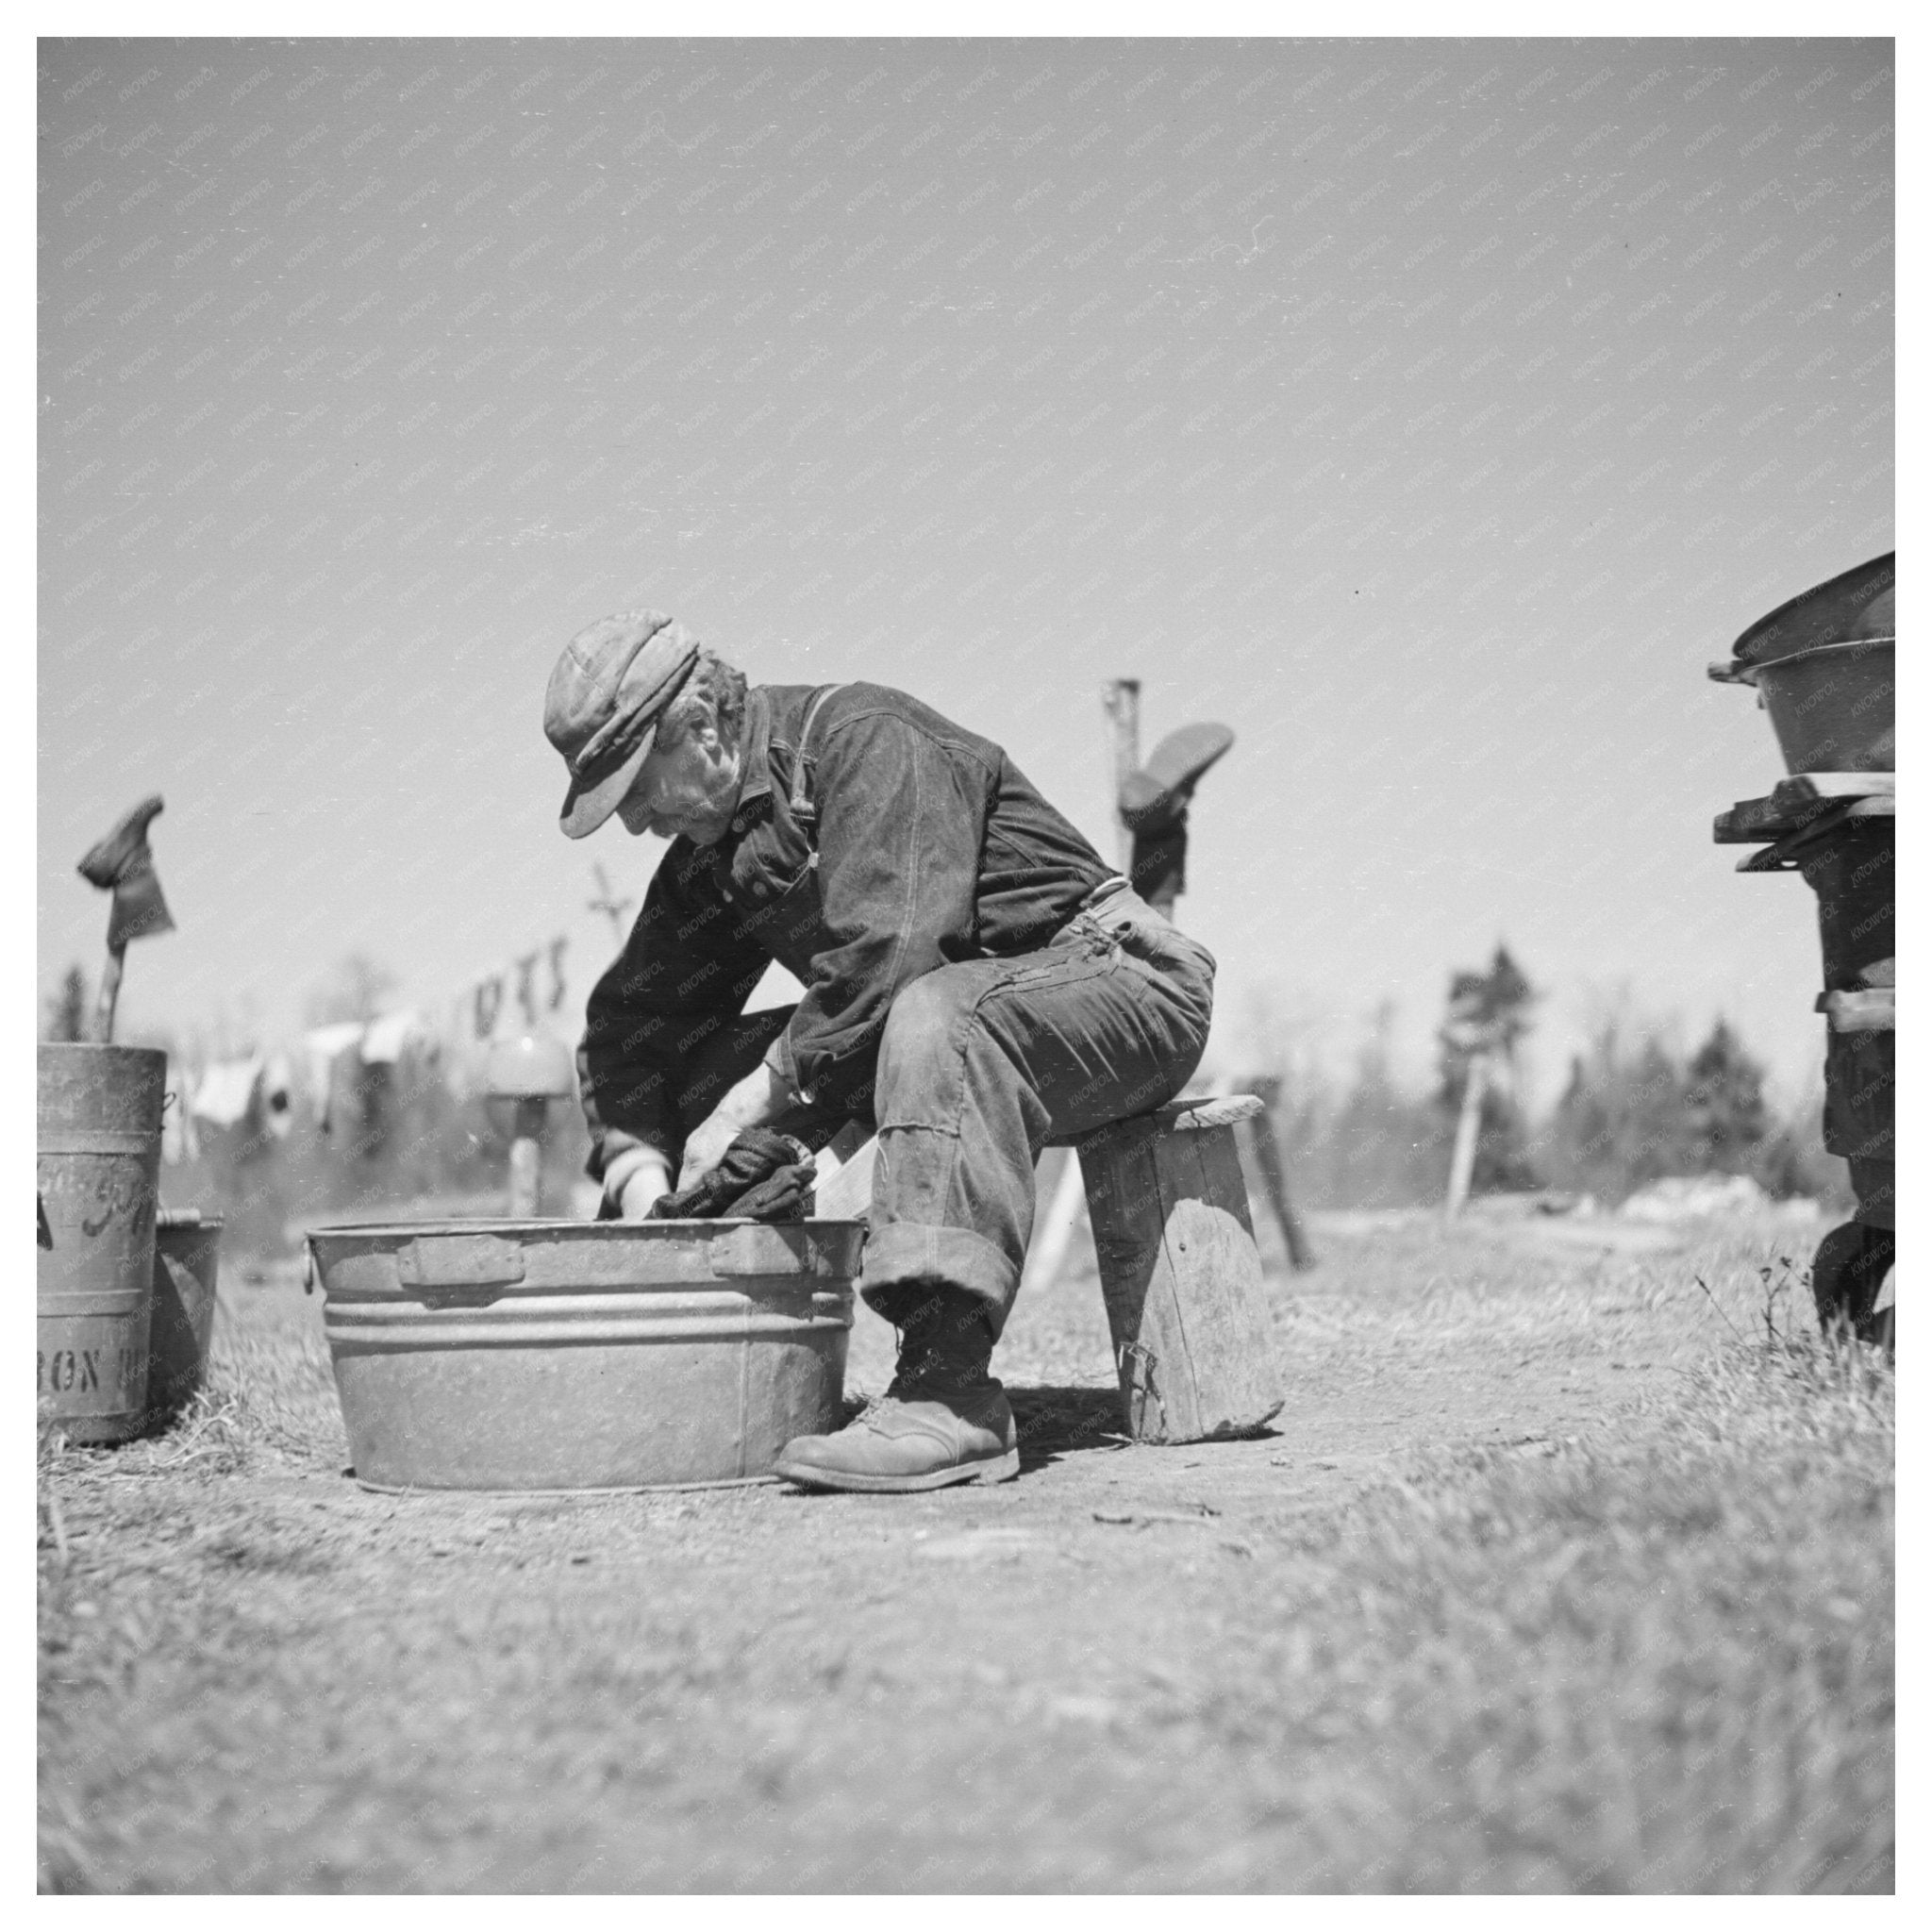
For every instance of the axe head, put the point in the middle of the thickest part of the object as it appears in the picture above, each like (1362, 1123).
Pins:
(140, 911)
(123, 864)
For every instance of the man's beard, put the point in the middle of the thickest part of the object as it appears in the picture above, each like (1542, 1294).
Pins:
(704, 825)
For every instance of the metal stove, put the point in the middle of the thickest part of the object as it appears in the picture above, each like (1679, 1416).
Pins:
(1823, 667)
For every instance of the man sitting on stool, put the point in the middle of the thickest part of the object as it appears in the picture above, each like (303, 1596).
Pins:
(977, 981)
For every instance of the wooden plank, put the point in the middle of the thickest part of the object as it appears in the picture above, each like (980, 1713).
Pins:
(1787, 854)
(1862, 1009)
(1221, 1303)
(1176, 1117)
(1754, 820)
(1801, 785)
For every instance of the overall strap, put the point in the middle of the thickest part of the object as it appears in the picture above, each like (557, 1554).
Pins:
(802, 807)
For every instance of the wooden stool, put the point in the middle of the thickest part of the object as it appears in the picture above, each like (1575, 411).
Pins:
(1180, 1271)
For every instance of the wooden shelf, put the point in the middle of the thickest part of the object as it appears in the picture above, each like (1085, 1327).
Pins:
(1860, 1009)
(1801, 808)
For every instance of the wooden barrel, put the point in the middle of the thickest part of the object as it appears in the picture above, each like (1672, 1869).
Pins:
(98, 1150)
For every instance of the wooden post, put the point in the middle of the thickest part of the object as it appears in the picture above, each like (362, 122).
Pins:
(1462, 1161)
(1268, 1158)
(1121, 698)
(1180, 1272)
(110, 993)
(527, 1161)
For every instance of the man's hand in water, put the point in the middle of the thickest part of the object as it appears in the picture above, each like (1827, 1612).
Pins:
(757, 1101)
(634, 1180)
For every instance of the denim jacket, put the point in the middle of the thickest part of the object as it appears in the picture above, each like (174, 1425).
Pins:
(916, 843)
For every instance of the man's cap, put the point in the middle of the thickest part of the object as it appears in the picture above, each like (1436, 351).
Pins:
(610, 688)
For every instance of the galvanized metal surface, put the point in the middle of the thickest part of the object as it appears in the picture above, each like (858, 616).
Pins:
(187, 1254)
(98, 1160)
(533, 1356)
(1833, 707)
(1858, 602)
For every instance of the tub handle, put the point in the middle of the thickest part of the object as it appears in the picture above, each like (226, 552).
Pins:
(759, 1248)
(460, 1261)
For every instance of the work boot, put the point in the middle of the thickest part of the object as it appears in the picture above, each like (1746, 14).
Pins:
(944, 1419)
(123, 852)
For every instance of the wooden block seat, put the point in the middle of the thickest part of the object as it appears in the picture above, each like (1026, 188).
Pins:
(1180, 1271)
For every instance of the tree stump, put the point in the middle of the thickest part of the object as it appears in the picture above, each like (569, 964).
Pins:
(1180, 1272)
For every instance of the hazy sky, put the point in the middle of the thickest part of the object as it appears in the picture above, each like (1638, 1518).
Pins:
(1429, 411)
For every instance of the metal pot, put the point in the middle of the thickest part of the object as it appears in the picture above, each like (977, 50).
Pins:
(1832, 706)
(1858, 602)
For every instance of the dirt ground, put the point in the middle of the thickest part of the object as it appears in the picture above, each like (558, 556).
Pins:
(1511, 1597)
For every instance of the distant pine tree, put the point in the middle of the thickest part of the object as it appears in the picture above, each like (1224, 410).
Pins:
(1380, 1146)
(1726, 1117)
(1628, 1117)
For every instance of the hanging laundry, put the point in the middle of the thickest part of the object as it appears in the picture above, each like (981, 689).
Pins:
(489, 1000)
(387, 1035)
(179, 1141)
(526, 986)
(322, 1047)
(278, 1096)
(228, 1091)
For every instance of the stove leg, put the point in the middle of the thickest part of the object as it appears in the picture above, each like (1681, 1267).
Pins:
(1846, 1275)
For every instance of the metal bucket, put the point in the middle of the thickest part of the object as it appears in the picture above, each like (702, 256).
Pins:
(187, 1250)
(1832, 706)
(1861, 602)
(570, 1355)
(98, 1154)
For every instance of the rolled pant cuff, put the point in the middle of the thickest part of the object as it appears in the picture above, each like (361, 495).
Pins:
(907, 1251)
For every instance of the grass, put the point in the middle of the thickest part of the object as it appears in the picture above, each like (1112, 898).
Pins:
(1607, 1606)
(1658, 1662)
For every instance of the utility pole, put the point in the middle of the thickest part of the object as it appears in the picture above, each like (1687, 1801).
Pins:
(1468, 1122)
(1121, 698)
(609, 905)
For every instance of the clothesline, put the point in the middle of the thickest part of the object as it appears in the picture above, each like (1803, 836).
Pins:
(263, 1087)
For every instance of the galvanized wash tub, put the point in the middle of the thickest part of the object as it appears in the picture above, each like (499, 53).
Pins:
(570, 1354)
